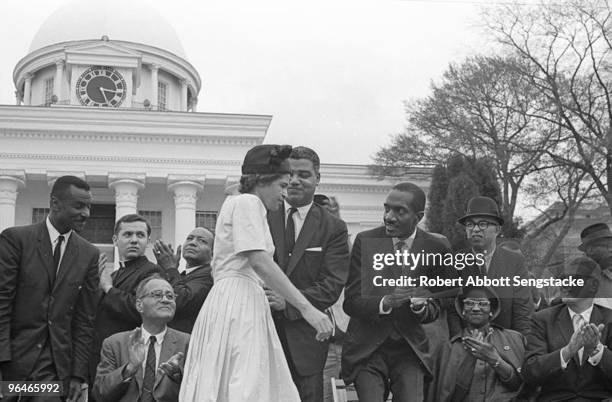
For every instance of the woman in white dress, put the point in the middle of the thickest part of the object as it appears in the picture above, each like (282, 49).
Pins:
(234, 352)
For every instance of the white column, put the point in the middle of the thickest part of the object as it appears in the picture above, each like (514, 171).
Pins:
(18, 98)
(126, 193)
(194, 104)
(183, 96)
(185, 198)
(59, 78)
(154, 80)
(9, 189)
(27, 89)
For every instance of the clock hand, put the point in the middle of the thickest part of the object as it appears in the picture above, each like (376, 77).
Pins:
(104, 95)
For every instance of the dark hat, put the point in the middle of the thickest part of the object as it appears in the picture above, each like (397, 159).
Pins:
(267, 159)
(491, 295)
(481, 206)
(594, 232)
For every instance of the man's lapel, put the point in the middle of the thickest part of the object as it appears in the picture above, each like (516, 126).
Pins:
(566, 329)
(45, 252)
(168, 348)
(276, 221)
(496, 266)
(310, 227)
(68, 260)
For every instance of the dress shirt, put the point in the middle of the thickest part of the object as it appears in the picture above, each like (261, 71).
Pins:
(54, 235)
(586, 315)
(189, 270)
(298, 217)
(407, 246)
(488, 256)
(159, 338)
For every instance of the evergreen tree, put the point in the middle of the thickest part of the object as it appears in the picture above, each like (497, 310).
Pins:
(436, 196)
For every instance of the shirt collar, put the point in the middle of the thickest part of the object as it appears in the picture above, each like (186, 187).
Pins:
(301, 211)
(53, 232)
(138, 261)
(159, 338)
(191, 269)
(586, 314)
(407, 240)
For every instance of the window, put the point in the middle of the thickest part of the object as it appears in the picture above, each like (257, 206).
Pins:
(39, 214)
(206, 219)
(48, 91)
(162, 92)
(155, 220)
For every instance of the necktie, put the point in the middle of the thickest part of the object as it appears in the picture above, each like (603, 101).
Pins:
(183, 274)
(578, 323)
(289, 234)
(149, 375)
(57, 252)
(399, 246)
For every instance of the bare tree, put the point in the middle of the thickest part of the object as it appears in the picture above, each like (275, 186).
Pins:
(566, 54)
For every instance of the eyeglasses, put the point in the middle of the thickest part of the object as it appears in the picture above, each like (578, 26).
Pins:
(469, 303)
(158, 295)
(482, 225)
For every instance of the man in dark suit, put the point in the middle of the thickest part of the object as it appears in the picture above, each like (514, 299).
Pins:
(483, 223)
(144, 364)
(597, 244)
(193, 284)
(48, 284)
(568, 351)
(312, 248)
(386, 347)
(117, 309)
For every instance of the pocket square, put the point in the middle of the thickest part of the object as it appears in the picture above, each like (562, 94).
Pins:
(315, 249)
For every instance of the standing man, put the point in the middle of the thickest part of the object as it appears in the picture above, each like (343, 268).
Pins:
(483, 223)
(386, 347)
(597, 244)
(117, 310)
(48, 284)
(568, 349)
(144, 364)
(193, 284)
(312, 248)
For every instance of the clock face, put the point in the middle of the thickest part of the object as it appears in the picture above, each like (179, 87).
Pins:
(101, 86)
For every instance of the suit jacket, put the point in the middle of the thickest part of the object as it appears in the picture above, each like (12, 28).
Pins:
(551, 330)
(38, 306)
(109, 385)
(367, 329)
(191, 291)
(516, 304)
(117, 309)
(319, 274)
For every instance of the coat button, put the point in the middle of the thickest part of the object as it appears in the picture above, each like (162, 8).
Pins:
(39, 346)
(506, 347)
(49, 322)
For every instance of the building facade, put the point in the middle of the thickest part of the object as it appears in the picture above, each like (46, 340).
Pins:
(115, 103)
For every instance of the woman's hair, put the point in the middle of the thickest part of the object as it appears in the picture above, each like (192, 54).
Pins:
(249, 181)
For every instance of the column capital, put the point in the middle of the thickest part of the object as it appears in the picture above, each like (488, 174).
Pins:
(60, 63)
(183, 82)
(28, 76)
(53, 175)
(12, 177)
(232, 184)
(176, 179)
(138, 179)
(154, 66)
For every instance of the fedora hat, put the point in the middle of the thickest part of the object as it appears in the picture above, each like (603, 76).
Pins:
(594, 232)
(481, 206)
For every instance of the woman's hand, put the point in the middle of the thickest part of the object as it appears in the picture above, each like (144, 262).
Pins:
(481, 350)
(320, 322)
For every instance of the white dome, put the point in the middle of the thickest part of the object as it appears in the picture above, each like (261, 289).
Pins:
(130, 21)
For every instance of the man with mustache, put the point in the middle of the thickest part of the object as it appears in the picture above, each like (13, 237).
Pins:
(193, 284)
(483, 223)
(386, 347)
(48, 284)
(117, 309)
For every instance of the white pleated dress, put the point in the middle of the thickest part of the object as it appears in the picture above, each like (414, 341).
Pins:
(234, 353)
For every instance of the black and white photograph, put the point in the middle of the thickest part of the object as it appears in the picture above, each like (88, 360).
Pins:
(322, 201)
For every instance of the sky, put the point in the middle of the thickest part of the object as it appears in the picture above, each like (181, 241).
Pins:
(333, 74)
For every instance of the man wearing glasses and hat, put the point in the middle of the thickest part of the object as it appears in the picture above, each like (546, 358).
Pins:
(597, 244)
(483, 223)
(568, 348)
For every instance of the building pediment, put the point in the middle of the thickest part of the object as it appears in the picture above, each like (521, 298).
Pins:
(103, 53)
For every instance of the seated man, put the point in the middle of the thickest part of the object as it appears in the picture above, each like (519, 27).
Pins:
(482, 363)
(568, 347)
(145, 364)
(194, 283)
